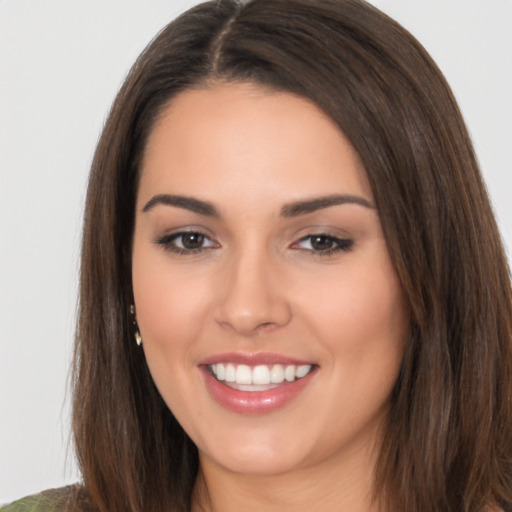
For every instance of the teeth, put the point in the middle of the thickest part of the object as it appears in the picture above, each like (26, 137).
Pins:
(289, 373)
(277, 374)
(221, 371)
(243, 374)
(261, 375)
(230, 372)
(302, 370)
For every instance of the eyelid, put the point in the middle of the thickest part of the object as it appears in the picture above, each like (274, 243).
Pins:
(167, 241)
(170, 241)
(340, 244)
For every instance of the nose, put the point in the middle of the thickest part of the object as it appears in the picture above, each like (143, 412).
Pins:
(253, 298)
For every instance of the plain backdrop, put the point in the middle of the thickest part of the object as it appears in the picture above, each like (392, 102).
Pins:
(61, 64)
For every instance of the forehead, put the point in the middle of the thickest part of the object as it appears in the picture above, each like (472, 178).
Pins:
(242, 137)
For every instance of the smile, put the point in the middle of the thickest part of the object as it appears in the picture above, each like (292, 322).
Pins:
(258, 378)
(256, 383)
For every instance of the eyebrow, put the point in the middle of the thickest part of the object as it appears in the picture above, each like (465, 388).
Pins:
(318, 203)
(187, 203)
(290, 210)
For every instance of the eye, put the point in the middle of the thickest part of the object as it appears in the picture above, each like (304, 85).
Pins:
(186, 242)
(323, 244)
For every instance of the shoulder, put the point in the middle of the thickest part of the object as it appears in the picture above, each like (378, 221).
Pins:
(64, 499)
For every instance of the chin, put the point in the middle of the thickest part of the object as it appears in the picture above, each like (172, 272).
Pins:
(259, 463)
(263, 454)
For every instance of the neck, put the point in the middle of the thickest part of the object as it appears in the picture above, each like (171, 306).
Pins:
(344, 485)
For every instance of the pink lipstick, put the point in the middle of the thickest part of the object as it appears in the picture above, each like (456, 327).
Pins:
(255, 383)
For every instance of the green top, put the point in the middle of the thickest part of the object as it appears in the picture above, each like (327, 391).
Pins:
(53, 500)
(30, 504)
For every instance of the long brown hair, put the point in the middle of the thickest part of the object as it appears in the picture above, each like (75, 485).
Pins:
(447, 444)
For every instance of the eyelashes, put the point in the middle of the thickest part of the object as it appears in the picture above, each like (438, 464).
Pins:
(188, 243)
(323, 244)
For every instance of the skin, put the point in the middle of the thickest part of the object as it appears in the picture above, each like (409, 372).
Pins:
(259, 285)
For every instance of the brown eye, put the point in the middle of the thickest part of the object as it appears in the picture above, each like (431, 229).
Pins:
(192, 240)
(186, 242)
(323, 244)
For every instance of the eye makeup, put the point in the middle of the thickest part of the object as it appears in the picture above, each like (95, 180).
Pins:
(191, 242)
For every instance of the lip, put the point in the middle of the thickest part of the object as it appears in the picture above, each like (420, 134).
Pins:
(254, 402)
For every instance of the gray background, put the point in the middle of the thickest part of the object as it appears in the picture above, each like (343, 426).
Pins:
(61, 63)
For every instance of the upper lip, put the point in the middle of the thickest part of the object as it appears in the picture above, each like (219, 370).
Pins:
(253, 359)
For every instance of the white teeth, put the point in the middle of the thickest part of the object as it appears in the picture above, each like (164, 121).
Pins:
(243, 374)
(221, 371)
(230, 373)
(277, 374)
(289, 373)
(302, 371)
(261, 375)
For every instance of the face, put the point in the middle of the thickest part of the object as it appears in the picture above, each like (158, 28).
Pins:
(272, 320)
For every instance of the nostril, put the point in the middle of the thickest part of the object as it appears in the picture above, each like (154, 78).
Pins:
(266, 326)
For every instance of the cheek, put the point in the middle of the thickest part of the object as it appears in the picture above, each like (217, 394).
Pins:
(170, 303)
(375, 310)
(171, 311)
(361, 318)
(362, 324)
(362, 300)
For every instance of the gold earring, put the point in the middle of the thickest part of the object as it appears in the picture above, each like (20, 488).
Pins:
(138, 338)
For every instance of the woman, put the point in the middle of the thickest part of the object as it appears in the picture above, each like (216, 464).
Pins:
(293, 291)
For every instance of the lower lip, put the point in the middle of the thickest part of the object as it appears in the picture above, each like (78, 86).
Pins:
(255, 402)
